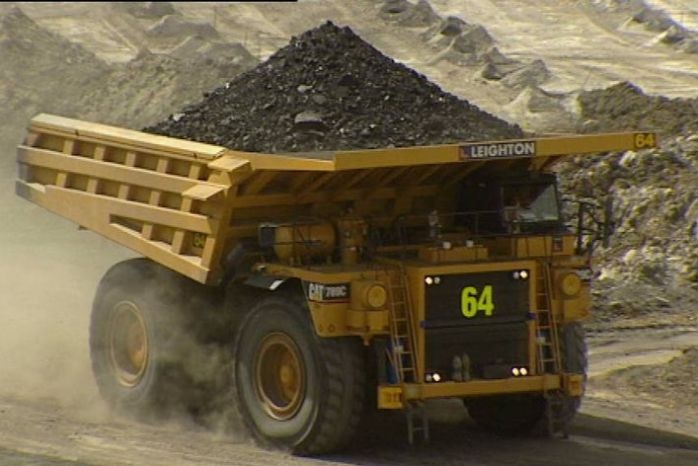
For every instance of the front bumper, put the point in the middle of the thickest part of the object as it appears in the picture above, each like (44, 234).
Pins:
(397, 396)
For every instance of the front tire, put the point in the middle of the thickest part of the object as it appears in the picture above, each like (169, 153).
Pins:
(507, 415)
(520, 414)
(294, 389)
(574, 354)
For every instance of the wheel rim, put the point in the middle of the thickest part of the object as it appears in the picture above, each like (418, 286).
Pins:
(128, 344)
(280, 376)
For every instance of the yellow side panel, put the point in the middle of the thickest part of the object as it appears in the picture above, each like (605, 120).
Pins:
(389, 397)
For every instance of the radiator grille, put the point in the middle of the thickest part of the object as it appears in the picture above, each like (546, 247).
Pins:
(495, 334)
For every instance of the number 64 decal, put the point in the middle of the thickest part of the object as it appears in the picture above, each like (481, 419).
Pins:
(472, 301)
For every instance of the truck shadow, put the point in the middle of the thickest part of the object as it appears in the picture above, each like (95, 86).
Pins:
(455, 439)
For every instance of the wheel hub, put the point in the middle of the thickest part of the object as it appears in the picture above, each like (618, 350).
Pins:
(128, 344)
(279, 376)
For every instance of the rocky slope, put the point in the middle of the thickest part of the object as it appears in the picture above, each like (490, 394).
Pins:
(650, 265)
(40, 71)
(44, 72)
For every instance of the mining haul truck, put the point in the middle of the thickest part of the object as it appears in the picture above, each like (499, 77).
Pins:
(338, 281)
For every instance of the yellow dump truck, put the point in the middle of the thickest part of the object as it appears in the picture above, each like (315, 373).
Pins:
(394, 275)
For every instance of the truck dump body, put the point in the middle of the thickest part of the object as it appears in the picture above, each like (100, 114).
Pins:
(186, 204)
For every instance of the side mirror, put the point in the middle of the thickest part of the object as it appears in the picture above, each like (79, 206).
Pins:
(594, 222)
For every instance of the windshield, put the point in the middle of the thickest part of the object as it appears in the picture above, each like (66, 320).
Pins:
(530, 203)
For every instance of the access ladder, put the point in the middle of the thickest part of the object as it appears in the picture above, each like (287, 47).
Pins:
(549, 357)
(402, 344)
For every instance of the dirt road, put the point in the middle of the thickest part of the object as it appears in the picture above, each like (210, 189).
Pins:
(40, 432)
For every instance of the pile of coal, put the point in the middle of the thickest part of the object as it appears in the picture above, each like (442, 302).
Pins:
(330, 90)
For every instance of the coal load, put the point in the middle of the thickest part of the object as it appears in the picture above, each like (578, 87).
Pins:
(330, 90)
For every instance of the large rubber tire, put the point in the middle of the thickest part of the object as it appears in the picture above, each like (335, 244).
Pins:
(507, 415)
(324, 381)
(520, 414)
(574, 354)
(141, 335)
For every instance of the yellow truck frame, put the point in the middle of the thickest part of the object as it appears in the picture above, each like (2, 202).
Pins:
(410, 317)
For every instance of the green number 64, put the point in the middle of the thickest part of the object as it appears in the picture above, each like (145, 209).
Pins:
(471, 301)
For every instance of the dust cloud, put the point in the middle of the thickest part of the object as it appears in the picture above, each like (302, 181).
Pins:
(49, 269)
(48, 273)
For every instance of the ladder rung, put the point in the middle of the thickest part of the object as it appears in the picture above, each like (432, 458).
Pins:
(400, 328)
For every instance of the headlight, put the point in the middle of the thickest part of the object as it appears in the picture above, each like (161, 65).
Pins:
(570, 284)
(432, 280)
(375, 296)
(368, 294)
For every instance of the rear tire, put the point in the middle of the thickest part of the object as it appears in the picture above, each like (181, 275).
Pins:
(294, 389)
(140, 334)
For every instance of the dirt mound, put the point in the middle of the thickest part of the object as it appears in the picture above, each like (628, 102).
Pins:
(466, 44)
(534, 107)
(407, 14)
(458, 41)
(223, 54)
(175, 26)
(625, 107)
(44, 72)
(152, 86)
(32, 57)
(145, 10)
(40, 72)
(497, 65)
(664, 23)
(670, 32)
(328, 89)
